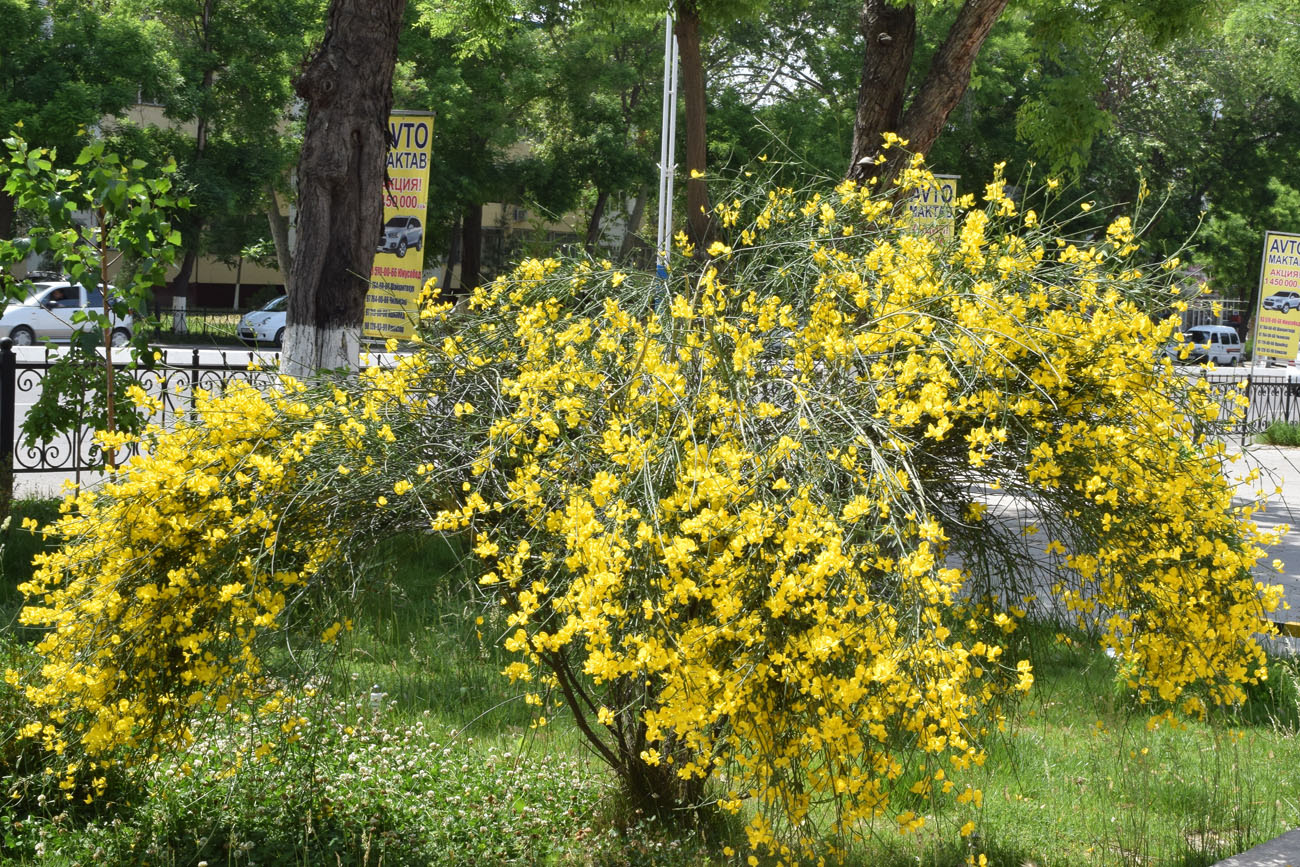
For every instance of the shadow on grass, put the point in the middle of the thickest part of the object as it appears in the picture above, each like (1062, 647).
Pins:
(19, 547)
(430, 640)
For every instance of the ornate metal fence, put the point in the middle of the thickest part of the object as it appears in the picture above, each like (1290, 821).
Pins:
(1272, 397)
(176, 387)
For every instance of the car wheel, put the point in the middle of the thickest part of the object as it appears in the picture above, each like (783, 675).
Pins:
(22, 336)
(120, 337)
(401, 248)
(279, 338)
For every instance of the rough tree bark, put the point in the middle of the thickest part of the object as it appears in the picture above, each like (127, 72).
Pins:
(699, 223)
(6, 215)
(891, 36)
(348, 88)
(453, 259)
(193, 231)
(631, 239)
(594, 224)
(279, 225)
(471, 248)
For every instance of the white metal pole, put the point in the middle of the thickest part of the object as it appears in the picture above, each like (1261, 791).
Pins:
(667, 148)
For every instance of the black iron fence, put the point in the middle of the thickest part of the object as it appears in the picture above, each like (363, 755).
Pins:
(1271, 397)
(175, 386)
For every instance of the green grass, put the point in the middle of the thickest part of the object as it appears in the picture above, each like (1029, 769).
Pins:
(1281, 433)
(447, 770)
(17, 547)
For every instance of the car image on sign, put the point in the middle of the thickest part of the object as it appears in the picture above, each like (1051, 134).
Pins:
(401, 233)
(1284, 301)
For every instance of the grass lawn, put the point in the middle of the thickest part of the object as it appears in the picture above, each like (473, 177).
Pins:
(442, 766)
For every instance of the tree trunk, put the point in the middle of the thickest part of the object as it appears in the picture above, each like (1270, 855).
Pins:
(890, 34)
(347, 85)
(6, 216)
(471, 255)
(453, 259)
(699, 223)
(279, 224)
(181, 282)
(194, 232)
(631, 238)
(949, 74)
(593, 226)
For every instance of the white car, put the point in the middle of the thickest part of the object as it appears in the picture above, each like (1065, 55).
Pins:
(48, 310)
(1209, 343)
(266, 323)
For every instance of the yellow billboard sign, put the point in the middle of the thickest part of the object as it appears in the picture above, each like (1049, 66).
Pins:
(933, 208)
(396, 276)
(1277, 323)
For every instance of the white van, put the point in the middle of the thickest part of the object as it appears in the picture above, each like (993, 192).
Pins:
(1219, 344)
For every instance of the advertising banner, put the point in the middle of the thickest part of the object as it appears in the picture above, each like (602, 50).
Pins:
(1277, 325)
(396, 276)
(933, 209)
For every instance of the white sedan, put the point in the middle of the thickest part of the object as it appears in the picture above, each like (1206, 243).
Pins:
(48, 312)
(265, 324)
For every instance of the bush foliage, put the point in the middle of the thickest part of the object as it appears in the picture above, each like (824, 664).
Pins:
(766, 531)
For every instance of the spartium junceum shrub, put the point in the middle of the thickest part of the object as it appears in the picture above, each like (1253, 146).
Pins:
(755, 529)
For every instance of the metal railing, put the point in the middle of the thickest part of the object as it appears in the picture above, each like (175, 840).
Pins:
(176, 387)
(1272, 397)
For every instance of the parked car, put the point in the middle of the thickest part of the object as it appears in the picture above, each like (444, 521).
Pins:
(48, 312)
(266, 323)
(1219, 344)
(401, 233)
(1284, 301)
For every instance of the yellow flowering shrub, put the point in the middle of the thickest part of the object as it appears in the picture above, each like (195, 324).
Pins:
(768, 529)
(175, 579)
(760, 525)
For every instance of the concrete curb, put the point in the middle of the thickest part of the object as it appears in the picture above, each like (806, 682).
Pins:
(1282, 852)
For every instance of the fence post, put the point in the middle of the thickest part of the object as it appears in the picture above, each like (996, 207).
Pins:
(1250, 405)
(8, 399)
(194, 383)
